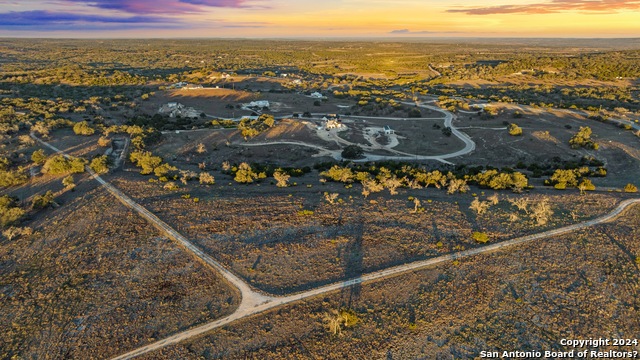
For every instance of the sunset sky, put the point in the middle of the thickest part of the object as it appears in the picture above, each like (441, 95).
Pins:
(319, 18)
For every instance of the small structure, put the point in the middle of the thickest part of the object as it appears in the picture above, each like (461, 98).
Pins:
(316, 95)
(258, 104)
(388, 130)
(178, 85)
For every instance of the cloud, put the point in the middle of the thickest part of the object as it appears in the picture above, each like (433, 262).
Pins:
(161, 6)
(554, 6)
(50, 20)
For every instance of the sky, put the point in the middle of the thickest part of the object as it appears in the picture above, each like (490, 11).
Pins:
(318, 18)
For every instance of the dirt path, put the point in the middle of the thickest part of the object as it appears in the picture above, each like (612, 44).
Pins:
(254, 303)
(378, 275)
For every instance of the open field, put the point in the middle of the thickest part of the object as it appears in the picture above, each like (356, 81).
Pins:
(581, 285)
(546, 134)
(95, 279)
(279, 250)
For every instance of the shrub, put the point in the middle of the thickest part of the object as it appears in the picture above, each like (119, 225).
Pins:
(480, 237)
(42, 201)
(82, 128)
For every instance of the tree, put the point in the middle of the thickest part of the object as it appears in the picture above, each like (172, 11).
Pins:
(281, 177)
(414, 113)
(371, 186)
(583, 139)
(145, 160)
(515, 130)
(331, 198)
(630, 188)
(201, 149)
(100, 164)
(586, 185)
(206, 178)
(541, 211)
(246, 175)
(68, 182)
(339, 174)
(39, 157)
(10, 212)
(58, 165)
(82, 128)
(480, 207)
(352, 152)
(104, 141)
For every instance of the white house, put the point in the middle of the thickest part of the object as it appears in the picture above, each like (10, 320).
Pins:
(388, 130)
(259, 104)
(316, 95)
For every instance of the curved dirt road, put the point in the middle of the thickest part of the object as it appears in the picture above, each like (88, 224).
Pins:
(254, 303)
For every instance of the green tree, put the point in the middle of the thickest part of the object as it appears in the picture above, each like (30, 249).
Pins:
(515, 130)
(59, 165)
(83, 128)
(352, 152)
(100, 164)
(39, 157)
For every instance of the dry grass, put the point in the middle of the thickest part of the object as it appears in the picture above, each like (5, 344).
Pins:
(582, 285)
(96, 280)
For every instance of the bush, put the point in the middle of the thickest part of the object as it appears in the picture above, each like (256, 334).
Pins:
(100, 164)
(42, 201)
(104, 141)
(480, 237)
(82, 128)
(206, 178)
(10, 212)
(12, 178)
(68, 182)
(352, 152)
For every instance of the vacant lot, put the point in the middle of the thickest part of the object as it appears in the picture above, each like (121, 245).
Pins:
(583, 285)
(546, 135)
(96, 280)
(276, 247)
